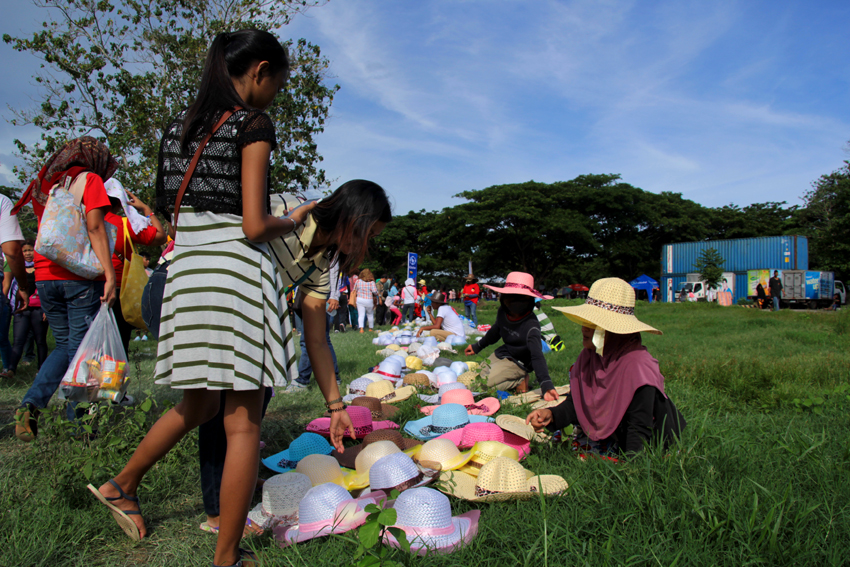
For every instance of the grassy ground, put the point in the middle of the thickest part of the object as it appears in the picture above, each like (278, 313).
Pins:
(760, 475)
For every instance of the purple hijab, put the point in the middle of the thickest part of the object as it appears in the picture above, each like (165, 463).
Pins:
(602, 387)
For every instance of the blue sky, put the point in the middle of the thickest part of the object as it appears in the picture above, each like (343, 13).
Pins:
(725, 102)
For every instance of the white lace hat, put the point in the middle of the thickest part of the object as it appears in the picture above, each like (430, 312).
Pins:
(281, 495)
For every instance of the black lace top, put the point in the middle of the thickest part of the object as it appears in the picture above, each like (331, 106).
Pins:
(216, 185)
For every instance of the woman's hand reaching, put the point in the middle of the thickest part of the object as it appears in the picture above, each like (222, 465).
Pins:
(340, 421)
(299, 214)
(539, 418)
(469, 351)
(551, 396)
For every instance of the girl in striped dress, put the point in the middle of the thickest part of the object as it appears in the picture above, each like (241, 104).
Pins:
(222, 318)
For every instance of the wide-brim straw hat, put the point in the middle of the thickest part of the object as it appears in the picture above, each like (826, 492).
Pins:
(437, 398)
(324, 510)
(348, 459)
(535, 397)
(361, 420)
(358, 386)
(485, 451)
(610, 306)
(442, 455)
(359, 477)
(281, 495)
(399, 472)
(418, 380)
(444, 419)
(517, 426)
(426, 518)
(322, 469)
(462, 396)
(467, 378)
(385, 391)
(519, 283)
(474, 433)
(499, 480)
(380, 411)
(300, 447)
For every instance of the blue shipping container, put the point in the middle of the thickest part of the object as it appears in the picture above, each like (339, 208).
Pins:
(740, 255)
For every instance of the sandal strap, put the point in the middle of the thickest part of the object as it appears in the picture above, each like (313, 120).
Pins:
(242, 554)
(123, 494)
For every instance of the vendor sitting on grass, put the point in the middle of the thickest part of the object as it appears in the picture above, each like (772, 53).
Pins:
(519, 328)
(446, 321)
(616, 394)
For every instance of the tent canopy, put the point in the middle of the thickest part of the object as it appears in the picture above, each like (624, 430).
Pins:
(645, 283)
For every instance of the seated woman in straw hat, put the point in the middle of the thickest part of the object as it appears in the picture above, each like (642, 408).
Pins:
(617, 396)
(446, 321)
(518, 328)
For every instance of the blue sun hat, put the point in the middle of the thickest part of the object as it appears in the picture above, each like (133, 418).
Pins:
(455, 340)
(445, 418)
(302, 446)
(459, 367)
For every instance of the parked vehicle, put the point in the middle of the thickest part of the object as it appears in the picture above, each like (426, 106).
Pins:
(801, 288)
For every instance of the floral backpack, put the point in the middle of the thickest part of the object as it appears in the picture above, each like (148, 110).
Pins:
(63, 236)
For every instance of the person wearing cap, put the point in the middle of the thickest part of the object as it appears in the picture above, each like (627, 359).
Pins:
(519, 329)
(470, 294)
(446, 321)
(409, 295)
(617, 396)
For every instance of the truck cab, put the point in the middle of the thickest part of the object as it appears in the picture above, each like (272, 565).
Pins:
(693, 291)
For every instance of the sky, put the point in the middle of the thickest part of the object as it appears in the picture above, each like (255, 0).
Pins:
(725, 102)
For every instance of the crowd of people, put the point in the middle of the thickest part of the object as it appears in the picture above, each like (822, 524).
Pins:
(240, 262)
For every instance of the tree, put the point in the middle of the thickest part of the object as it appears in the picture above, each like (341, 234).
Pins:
(826, 220)
(708, 265)
(26, 217)
(119, 70)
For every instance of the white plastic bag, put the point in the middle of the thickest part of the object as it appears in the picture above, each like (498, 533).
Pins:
(99, 368)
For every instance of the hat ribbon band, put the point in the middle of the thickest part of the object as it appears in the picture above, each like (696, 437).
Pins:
(409, 483)
(480, 407)
(393, 376)
(355, 392)
(362, 430)
(613, 307)
(525, 287)
(440, 429)
(410, 530)
(287, 464)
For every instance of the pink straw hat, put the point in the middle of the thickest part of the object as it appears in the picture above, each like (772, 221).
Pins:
(425, 516)
(326, 509)
(361, 419)
(471, 434)
(519, 283)
(462, 396)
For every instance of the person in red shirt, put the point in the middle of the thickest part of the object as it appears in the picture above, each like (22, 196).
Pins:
(470, 294)
(145, 229)
(70, 301)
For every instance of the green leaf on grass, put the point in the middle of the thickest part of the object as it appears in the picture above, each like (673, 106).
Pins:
(387, 517)
(369, 560)
(369, 534)
(146, 405)
(87, 470)
(360, 551)
(401, 537)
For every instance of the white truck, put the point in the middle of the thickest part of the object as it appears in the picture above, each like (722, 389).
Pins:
(694, 289)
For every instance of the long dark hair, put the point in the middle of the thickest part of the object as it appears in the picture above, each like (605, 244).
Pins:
(230, 56)
(348, 215)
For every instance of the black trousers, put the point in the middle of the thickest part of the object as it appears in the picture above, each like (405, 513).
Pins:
(380, 314)
(31, 319)
(212, 449)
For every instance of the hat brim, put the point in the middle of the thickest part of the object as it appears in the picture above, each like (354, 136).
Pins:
(401, 394)
(492, 404)
(435, 398)
(387, 411)
(349, 458)
(462, 485)
(517, 291)
(322, 426)
(536, 396)
(594, 317)
(272, 462)
(465, 529)
(523, 446)
(518, 427)
(414, 428)
(454, 463)
(353, 516)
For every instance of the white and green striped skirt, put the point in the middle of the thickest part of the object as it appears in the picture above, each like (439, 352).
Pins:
(224, 322)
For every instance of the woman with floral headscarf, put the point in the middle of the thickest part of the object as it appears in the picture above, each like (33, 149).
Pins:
(70, 301)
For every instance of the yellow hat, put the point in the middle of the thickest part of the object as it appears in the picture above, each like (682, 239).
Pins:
(610, 306)
(321, 469)
(499, 480)
(384, 391)
(467, 378)
(485, 451)
(393, 347)
(472, 365)
(359, 477)
(413, 362)
(442, 455)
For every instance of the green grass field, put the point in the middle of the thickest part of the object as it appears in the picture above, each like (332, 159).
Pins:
(760, 476)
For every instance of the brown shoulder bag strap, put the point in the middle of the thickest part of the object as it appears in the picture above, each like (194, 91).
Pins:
(194, 162)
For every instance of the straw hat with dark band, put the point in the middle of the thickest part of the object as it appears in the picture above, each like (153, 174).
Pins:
(610, 306)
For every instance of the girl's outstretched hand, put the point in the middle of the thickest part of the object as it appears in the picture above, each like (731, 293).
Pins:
(340, 421)
(539, 418)
(551, 396)
(469, 351)
(299, 214)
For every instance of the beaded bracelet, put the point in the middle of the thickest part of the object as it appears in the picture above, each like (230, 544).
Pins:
(337, 409)
(332, 402)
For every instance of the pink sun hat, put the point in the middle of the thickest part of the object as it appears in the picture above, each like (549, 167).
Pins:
(327, 509)
(519, 283)
(469, 435)
(425, 516)
(361, 419)
(462, 396)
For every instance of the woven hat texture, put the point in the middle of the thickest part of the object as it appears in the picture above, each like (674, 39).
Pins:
(398, 472)
(610, 306)
(501, 479)
(458, 367)
(462, 396)
(418, 380)
(426, 518)
(441, 454)
(517, 426)
(478, 432)
(364, 461)
(321, 469)
(281, 495)
(300, 447)
(484, 452)
(387, 393)
(348, 458)
(378, 410)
